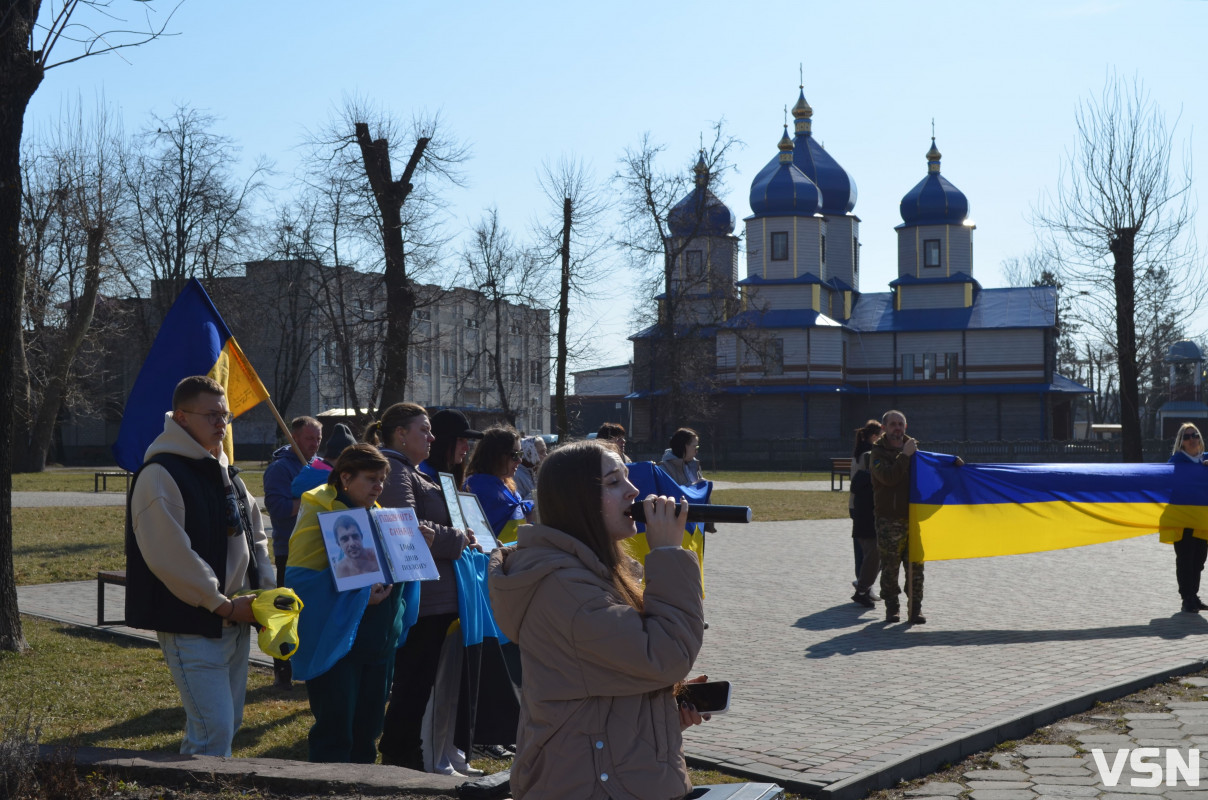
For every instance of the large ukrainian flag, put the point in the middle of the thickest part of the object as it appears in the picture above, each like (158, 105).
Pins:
(979, 510)
(193, 340)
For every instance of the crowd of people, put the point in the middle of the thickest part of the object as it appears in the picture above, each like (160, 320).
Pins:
(564, 598)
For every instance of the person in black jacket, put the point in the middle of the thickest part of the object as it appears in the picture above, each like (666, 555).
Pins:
(863, 521)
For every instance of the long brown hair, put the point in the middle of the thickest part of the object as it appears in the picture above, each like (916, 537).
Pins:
(492, 454)
(399, 415)
(865, 434)
(570, 489)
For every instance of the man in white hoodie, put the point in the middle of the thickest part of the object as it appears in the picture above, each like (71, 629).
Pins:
(194, 538)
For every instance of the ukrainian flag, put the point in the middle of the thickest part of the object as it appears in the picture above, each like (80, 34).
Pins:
(979, 510)
(193, 340)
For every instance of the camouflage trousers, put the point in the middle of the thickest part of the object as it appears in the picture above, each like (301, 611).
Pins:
(891, 541)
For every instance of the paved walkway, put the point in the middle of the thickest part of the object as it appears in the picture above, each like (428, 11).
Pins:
(830, 700)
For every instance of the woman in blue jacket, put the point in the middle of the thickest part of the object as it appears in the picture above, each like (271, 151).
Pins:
(1190, 550)
(490, 475)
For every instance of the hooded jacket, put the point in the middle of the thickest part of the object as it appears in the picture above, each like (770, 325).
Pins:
(171, 584)
(598, 717)
(278, 496)
(890, 469)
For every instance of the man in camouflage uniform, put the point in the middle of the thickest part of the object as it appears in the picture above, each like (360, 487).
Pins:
(889, 465)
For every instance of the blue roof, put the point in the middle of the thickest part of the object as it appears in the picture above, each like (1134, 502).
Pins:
(934, 200)
(759, 280)
(956, 277)
(1021, 307)
(784, 318)
(1183, 350)
(1184, 407)
(701, 214)
(695, 331)
(780, 189)
(838, 188)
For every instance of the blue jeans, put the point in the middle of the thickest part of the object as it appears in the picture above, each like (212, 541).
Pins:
(211, 675)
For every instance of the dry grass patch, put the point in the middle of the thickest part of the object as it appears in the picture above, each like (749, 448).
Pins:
(735, 476)
(773, 505)
(54, 545)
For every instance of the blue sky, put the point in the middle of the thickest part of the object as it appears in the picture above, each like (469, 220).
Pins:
(527, 82)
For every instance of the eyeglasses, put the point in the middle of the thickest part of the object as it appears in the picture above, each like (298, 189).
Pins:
(213, 417)
(517, 455)
(1191, 435)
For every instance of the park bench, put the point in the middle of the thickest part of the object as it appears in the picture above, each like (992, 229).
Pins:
(840, 468)
(117, 577)
(100, 480)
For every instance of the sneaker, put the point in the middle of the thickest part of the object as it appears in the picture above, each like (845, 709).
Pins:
(863, 599)
(874, 594)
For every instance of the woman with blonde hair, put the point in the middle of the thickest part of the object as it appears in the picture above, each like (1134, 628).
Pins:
(1191, 547)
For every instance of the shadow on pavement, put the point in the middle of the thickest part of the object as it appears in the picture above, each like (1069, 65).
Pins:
(844, 615)
(900, 636)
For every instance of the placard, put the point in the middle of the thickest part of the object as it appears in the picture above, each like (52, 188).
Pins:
(352, 550)
(448, 486)
(476, 520)
(407, 553)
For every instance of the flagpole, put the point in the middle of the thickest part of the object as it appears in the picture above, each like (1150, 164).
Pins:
(289, 436)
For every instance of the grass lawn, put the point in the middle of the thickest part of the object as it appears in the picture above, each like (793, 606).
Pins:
(80, 479)
(772, 505)
(764, 477)
(52, 545)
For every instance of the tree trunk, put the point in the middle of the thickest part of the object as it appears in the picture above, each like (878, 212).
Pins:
(1124, 279)
(31, 456)
(563, 317)
(19, 79)
(500, 386)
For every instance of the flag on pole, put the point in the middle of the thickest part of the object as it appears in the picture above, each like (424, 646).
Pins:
(979, 510)
(193, 340)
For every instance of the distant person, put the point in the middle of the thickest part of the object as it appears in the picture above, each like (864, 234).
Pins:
(679, 459)
(283, 506)
(452, 435)
(1190, 550)
(602, 652)
(613, 433)
(863, 516)
(318, 471)
(355, 557)
(532, 453)
(890, 468)
(194, 539)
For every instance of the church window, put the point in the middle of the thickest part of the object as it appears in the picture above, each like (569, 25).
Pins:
(855, 256)
(822, 247)
(780, 246)
(775, 365)
(931, 253)
(696, 264)
(907, 366)
(928, 366)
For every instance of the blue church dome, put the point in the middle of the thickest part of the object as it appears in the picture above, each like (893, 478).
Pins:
(837, 187)
(781, 189)
(701, 213)
(933, 200)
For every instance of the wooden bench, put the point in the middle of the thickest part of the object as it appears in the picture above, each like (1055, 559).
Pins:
(840, 468)
(100, 480)
(117, 577)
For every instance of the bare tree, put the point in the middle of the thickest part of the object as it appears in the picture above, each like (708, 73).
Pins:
(29, 46)
(72, 194)
(1120, 220)
(505, 278)
(679, 359)
(190, 213)
(571, 237)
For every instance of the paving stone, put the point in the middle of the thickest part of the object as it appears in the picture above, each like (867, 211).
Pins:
(1004, 760)
(1071, 726)
(998, 784)
(1193, 681)
(1058, 780)
(1046, 751)
(936, 789)
(1066, 772)
(1149, 715)
(1104, 738)
(996, 775)
(1065, 790)
(1003, 794)
(1074, 761)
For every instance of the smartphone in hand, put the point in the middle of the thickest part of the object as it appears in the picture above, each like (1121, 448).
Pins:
(712, 697)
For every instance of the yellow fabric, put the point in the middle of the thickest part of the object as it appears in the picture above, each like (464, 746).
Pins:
(244, 389)
(277, 613)
(940, 533)
(306, 548)
(507, 534)
(639, 548)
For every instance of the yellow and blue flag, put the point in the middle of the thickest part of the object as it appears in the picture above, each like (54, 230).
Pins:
(193, 340)
(979, 510)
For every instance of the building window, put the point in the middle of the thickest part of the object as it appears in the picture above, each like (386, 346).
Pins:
(514, 328)
(491, 368)
(907, 366)
(424, 362)
(471, 322)
(365, 355)
(822, 247)
(775, 365)
(855, 257)
(931, 253)
(448, 364)
(695, 264)
(514, 370)
(928, 366)
(471, 364)
(534, 372)
(780, 246)
(952, 366)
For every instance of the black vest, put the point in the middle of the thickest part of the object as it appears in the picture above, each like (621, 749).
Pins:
(149, 603)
